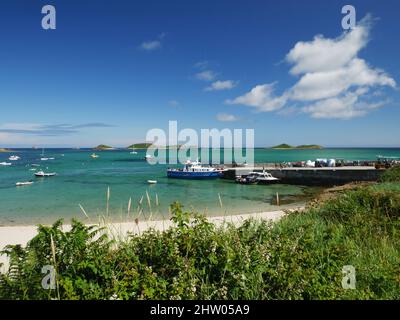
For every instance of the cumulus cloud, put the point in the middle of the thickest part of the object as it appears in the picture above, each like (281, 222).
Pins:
(153, 44)
(333, 80)
(322, 54)
(262, 98)
(221, 85)
(226, 117)
(206, 75)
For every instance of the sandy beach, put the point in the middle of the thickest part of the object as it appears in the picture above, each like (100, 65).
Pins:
(13, 235)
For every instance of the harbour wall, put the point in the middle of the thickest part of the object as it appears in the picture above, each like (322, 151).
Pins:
(313, 176)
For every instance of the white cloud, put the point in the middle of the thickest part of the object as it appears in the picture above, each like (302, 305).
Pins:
(342, 107)
(222, 85)
(321, 85)
(322, 54)
(225, 117)
(262, 98)
(206, 75)
(151, 45)
(333, 79)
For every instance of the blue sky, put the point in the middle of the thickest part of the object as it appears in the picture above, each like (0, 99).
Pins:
(112, 70)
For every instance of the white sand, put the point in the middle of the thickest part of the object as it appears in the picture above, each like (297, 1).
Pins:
(13, 235)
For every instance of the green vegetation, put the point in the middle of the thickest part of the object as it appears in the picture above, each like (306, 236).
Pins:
(392, 175)
(149, 145)
(283, 146)
(309, 146)
(303, 146)
(299, 257)
(140, 146)
(103, 147)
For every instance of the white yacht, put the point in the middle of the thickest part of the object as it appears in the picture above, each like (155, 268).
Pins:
(257, 178)
(265, 178)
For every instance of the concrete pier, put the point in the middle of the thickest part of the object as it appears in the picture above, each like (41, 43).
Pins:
(325, 176)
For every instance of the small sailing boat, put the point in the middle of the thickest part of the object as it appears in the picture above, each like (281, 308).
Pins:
(43, 157)
(94, 156)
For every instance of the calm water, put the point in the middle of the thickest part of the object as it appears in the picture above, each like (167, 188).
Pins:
(83, 180)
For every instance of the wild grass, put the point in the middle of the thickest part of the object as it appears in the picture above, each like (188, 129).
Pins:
(299, 257)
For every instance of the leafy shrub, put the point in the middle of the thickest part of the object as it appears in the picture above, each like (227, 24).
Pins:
(299, 257)
(391, 175)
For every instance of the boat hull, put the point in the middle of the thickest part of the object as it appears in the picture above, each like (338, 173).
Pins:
(193, 175)
(261, 181)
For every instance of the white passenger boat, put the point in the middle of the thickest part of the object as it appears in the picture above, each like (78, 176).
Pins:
(5, 164)
(151, 181)
(195, 170)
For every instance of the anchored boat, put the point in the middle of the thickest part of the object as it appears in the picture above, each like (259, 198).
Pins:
(27, 183)
(43, 174)
(257, 178)
(195, 170)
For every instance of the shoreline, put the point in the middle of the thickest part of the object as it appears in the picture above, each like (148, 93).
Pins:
(13, 235)
(157, 216)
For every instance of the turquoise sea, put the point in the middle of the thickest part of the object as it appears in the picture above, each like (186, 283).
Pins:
(83, 180)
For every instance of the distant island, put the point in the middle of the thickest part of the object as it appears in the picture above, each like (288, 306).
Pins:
(140, 145)
(5, 150)
(285, 146)
(103, 147)
(150, 145)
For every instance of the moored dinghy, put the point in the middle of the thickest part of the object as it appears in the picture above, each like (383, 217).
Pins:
(42, 174)
(27, 183)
